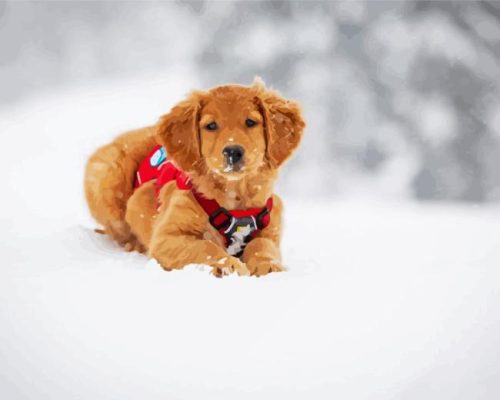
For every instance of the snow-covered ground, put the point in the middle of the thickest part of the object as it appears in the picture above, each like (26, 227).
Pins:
(382, 300)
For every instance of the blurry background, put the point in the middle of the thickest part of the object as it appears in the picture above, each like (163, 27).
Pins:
(402, 99)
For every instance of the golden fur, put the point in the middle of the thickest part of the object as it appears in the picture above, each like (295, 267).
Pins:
(178, 232)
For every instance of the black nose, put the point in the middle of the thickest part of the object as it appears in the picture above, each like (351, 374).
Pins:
(233, 154)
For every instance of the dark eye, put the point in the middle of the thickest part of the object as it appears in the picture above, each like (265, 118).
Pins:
(212, 126)
(250, 122)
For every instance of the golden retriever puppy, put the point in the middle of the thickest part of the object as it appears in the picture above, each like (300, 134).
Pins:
(198, 186)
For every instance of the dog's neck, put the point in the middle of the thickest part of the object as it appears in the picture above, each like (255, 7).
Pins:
(249, 191)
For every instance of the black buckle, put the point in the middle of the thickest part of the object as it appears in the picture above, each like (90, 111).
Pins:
(215, 214)
(236, 239)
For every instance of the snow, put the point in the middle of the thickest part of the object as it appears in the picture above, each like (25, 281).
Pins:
(381, 300)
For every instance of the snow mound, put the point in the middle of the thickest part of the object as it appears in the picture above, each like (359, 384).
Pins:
(380, 301)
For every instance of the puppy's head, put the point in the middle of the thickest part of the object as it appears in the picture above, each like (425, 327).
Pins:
(231, 130)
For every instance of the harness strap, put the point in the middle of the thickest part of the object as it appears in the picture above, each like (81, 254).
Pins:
(220, 218)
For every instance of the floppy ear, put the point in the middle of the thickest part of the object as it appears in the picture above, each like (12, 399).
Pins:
(178, 132)
(283, 124)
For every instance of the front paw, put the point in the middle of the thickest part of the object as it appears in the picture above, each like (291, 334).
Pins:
(228, 265)
(259, 267)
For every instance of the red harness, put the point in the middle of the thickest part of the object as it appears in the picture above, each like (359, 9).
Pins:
(237, 227)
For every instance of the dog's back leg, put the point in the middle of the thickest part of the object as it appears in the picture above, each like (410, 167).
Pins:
(109, 180)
